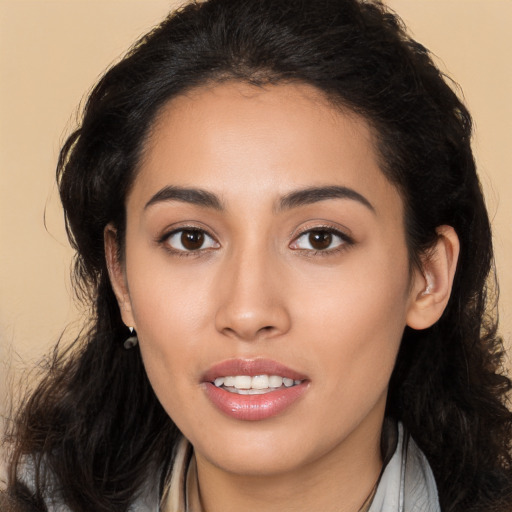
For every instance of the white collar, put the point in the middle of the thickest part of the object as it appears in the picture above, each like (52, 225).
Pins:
(407, 483)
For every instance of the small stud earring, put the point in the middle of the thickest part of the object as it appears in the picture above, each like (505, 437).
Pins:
(131, 341)
(429, 287)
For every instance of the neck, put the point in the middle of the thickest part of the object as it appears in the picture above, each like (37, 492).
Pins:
(339, 481)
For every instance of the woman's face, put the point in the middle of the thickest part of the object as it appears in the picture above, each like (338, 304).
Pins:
(263, 242)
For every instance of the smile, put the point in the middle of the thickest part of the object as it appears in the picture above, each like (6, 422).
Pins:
(253, 389)
(256, 385)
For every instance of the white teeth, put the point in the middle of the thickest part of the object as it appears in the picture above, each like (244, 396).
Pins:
(260, 382)
(247, 385)
(229, 382)
(243, 382)
(274, 381)
(252, 391)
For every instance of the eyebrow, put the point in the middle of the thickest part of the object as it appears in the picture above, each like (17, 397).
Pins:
(312, 195)
(291, 200)
(194, 196)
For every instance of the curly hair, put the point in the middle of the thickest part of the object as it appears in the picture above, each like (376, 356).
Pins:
(94, 429)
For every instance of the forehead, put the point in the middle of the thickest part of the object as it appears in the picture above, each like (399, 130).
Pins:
(232, 137)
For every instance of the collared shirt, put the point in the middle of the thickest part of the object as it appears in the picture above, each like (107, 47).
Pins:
(406, 483)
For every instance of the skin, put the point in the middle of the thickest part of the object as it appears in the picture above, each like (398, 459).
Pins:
(257, 289)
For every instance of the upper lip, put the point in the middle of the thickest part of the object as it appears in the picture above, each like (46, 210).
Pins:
(251, 367)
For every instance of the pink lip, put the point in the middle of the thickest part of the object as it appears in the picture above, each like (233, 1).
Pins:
(253, 407)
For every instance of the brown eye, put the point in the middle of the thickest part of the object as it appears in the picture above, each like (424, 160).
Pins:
(192, 240)
(189, 240)
(320, 240)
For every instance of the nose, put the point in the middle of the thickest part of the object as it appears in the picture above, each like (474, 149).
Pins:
(252, 299)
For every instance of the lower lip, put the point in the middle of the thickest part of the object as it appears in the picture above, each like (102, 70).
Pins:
(254, 407)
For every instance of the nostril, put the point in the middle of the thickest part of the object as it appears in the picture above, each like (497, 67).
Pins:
(229, 331)
(251, 334)
(266, 331)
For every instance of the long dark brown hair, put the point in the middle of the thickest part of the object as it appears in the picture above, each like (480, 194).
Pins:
(93, 431)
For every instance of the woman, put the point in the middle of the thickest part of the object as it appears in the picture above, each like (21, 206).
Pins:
(279, 224)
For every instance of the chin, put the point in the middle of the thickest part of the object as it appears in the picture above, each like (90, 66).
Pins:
(262, 449)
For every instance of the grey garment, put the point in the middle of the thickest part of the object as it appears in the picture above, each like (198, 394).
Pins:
(407, 483)
(149, 498)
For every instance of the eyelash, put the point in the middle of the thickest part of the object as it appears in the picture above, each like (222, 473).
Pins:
(345, 243)
(163, 240)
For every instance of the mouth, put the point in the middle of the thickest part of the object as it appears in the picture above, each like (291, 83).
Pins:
(253, 389)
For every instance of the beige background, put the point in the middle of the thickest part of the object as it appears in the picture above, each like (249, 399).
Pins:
(52, 52)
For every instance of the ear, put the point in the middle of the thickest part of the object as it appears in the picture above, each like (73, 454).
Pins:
(117, 275)
(432, 285)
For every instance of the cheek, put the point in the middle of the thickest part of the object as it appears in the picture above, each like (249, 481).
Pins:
(166, 295)
(358, 344)
(368, 291)
(357, 318)
(166, 305)
(169, 338)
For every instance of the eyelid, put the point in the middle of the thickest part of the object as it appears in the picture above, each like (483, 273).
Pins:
(173, 230)
(322, 225)
(346, 239)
